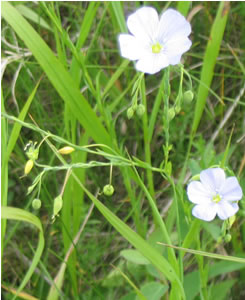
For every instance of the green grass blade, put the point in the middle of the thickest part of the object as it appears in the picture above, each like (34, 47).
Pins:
(210, 58)
(32, 16)
(12, 213)
(208, 254)
(183, 7)
(17, 127)
(59, 77)
(4, 170)
(118, 11)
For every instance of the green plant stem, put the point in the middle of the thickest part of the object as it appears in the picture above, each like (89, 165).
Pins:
(147, 141)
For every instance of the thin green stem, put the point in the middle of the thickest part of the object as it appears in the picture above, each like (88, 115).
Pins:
(146, 140)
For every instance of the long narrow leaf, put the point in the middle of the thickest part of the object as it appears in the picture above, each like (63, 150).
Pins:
(210, 58)
(12, 213)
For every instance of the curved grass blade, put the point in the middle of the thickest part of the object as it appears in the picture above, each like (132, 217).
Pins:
(12, 213)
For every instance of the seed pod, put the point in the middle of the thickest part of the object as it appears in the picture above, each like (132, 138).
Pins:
(140, 110)
(188, 97)
(66, 150)
(130, 113)
(29, 165)
(108, 190)
(227, 238)
(36, 204)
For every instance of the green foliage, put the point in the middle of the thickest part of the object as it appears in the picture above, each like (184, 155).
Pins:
(137, 140)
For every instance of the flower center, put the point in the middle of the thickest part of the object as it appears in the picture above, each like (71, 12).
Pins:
(216, 198)
(156, 48)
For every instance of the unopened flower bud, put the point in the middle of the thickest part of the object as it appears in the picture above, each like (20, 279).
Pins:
(130, 113)
(36, 204)
(140, 110)
(108, 190)
(188, 97)
(29, 165)
(171, 113)
(58, 203)
(66, 150)
(177, 109)
(227, 238)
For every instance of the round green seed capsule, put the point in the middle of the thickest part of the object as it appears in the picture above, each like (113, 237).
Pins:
(108, 190)
(130, 113)
(36, 204)
(188, 97)
(140, 110)
(228, 238)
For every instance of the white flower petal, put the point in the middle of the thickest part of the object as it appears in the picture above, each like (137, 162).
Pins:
(225, 209)
(130, 47)
(143, 24)
(231, 190)
(213, 179)
(205, 212)
(172, 25)
(152, 63)
(197, 193)
(176, 47)
(174, 60)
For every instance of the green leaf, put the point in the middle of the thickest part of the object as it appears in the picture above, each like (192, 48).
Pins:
(17, 127)
(32, 16)
(208, 254)
(12, 213)
(134, 256)
(153, 290)
(221, 290)
(210, 58)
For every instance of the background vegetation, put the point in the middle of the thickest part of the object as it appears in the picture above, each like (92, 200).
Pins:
(77, 92)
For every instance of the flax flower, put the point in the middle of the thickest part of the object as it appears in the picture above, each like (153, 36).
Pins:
(155, 43)
(214, 194)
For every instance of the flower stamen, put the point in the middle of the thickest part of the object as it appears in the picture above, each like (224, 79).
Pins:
(216, 198)
(156, 48)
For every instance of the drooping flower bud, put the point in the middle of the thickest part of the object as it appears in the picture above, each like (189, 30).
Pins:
(36, 204)
(188, 97)
(29, 165)
(140, 110)
(130, 113)
(108, 190)
(66, 150)
(171, 113)
(58, 203)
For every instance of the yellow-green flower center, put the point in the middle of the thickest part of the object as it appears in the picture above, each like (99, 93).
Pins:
(156, 48)
(216, 198)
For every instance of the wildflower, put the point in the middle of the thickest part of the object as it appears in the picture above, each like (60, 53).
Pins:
(154, 43)
(214, 194)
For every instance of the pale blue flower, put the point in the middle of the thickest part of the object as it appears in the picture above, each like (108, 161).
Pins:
(214, 194)
(154, 42)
